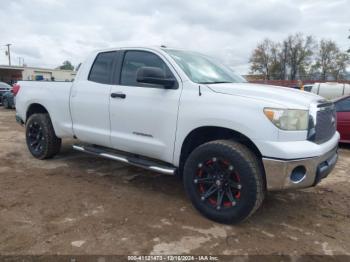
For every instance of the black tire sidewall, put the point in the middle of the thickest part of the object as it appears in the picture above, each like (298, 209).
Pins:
(244, 205)
(41, 119)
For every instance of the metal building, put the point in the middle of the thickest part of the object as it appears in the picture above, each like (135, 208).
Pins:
(11, 74)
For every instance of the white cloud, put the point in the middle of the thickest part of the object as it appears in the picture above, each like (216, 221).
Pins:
(47, 32)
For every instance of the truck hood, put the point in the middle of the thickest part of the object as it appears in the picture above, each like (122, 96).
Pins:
(284, 96)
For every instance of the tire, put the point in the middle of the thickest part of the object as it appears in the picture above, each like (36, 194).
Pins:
(41, 139)
(232, 174)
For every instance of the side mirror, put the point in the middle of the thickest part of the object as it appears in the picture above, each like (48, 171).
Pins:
(154, 75)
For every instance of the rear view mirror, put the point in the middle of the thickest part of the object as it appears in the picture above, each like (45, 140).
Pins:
(154, 75)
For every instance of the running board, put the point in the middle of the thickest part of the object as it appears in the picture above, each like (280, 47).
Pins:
(126, 158)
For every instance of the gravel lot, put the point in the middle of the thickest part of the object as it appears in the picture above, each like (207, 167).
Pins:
(79, 204)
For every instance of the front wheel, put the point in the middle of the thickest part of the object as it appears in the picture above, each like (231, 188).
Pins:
(41, 139)
(224, 181)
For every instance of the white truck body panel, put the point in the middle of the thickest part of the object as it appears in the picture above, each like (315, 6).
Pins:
(90, 112)
(54, 96)
(331, 90)
(155, 112)
(155, 122)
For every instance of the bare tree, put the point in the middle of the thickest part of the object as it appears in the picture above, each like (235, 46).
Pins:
(300, 56)
(283, 60)
(265, 59)
(300, 51)
(326, 57)
(275, 63)
(330, 61)
(341, 62)
(66, 65)
(272, 59)
(261, 58)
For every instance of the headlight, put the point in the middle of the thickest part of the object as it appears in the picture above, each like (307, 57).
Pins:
(288, 119)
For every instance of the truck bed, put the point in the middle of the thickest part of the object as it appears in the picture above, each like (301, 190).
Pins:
(54, 96)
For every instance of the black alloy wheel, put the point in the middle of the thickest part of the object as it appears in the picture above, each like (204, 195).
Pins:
(218, 183)
(42, 141)
(35, 137)
(224, 180)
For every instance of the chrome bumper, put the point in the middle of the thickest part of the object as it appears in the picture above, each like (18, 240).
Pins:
(298, 173)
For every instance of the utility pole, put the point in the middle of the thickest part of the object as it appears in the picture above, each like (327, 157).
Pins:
(20, 61)
(9, 53)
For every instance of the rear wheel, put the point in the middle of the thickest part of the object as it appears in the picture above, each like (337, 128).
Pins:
(224, 181)
(41, 139)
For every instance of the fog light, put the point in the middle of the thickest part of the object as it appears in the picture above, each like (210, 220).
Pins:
(298, 174)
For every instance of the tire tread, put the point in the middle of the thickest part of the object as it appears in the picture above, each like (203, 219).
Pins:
(231, 147)
(53, 145)
(253, 162)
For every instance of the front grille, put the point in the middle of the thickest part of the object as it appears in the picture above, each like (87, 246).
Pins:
(325, 124)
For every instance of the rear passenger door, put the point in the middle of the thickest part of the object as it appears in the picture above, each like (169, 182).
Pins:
(144, 116)
(90, 101)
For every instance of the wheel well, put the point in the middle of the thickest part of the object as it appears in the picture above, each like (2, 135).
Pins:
(34, 109)
(206, 134)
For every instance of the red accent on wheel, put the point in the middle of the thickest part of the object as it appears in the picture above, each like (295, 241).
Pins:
(223, 174)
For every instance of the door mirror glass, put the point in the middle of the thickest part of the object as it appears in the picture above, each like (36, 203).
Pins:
(154, 75)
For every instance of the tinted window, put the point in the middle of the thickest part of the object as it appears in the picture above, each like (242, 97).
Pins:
(101, 71)
(307, 88)
(133, 60)
(343, 105)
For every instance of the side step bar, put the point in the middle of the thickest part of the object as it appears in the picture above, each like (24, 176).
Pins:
(129, 159)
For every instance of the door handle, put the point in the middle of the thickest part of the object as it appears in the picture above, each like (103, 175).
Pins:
(118, 95)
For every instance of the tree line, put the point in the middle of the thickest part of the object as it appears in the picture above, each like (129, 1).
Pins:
(66, 65)
(299, 57)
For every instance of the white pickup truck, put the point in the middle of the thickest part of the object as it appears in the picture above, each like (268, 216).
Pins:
(179, 112)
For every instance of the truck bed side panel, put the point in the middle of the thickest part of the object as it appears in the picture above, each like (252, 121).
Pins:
(54, 96)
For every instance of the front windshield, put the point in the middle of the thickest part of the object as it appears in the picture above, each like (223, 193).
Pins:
(202, 69)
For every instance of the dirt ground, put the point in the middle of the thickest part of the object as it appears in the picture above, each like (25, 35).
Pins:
(79, 204)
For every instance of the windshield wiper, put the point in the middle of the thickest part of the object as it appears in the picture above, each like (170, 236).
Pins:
(215, 82)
